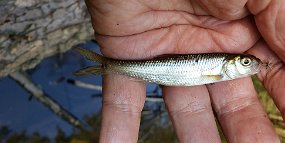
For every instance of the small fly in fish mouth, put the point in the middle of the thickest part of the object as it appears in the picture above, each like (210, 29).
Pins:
(176, 70)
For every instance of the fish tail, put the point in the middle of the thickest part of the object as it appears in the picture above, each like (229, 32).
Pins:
(90, 55)
(90, 70)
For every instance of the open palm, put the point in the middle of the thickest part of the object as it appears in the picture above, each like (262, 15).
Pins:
(144, 29)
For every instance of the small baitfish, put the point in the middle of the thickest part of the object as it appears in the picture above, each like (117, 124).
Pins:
(176, 70)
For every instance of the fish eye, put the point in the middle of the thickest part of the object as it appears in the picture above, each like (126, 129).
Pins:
(246, 61)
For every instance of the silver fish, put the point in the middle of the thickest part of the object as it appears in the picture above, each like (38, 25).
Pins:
(177, 70)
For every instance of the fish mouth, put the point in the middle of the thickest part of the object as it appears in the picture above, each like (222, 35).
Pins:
(262, 65)
(267, 64)
(258, 67)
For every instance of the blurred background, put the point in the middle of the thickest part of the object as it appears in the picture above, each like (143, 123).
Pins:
(40, 99)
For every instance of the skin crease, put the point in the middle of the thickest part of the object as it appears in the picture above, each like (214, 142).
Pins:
(140, 29)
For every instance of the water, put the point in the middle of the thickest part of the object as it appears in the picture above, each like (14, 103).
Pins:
(20, 112)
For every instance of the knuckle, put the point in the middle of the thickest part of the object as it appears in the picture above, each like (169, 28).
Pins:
(123, 107)
(190, 109)
(237, 104)
(123, 102)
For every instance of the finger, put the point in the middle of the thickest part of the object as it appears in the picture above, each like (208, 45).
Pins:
(123, 101)
(225, 9)
(273, 77)
(191, 113)
(240, 113)
(270, 20)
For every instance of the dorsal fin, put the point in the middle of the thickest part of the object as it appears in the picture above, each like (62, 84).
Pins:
(171, 56)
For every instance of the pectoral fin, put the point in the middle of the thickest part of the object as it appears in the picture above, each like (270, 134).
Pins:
(215, 77)
(136, 79)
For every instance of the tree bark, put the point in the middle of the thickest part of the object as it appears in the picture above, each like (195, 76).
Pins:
(31, 30)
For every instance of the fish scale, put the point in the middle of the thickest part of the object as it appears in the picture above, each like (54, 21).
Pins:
(177, 70)
(183, 70)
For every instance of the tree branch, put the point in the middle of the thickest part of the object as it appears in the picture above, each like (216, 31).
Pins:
(41, 96)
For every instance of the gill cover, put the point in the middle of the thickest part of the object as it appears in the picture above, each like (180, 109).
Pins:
(242, 66)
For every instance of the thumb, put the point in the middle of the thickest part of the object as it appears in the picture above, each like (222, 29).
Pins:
(273, 77)
(270, 20)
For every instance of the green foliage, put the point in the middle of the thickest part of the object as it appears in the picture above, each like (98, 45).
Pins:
(23, 138)
(77, 136)
(4, 132)
(264, 97)
(158, 129)
(60, 137)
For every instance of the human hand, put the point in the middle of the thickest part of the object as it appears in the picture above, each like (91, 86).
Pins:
(145, 29)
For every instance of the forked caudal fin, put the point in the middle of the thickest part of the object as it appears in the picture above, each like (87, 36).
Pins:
(90, 55)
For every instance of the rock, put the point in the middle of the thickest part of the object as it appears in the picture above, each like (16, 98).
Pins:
(31, 30)
(26, 3)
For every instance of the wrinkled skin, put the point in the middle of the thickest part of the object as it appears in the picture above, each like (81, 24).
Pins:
(138, 29)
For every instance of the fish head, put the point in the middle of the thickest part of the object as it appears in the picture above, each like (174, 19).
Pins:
(242, 66)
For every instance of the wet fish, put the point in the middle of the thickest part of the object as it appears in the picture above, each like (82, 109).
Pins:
(176, 70)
